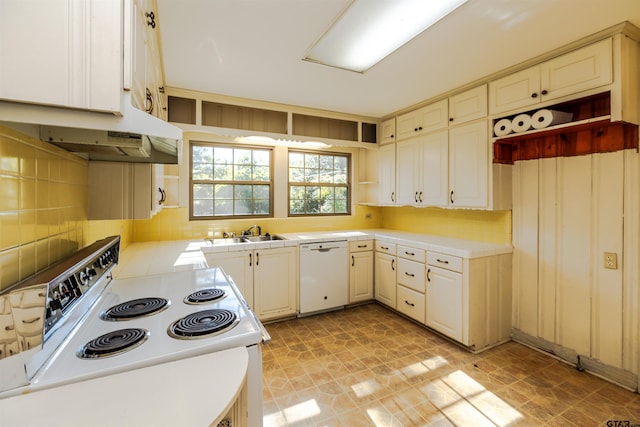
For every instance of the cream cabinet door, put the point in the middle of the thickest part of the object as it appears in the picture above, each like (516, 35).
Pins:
(408, 172)
(426, 119)
(361, 276)
(583, 69)
(388, 131)
(515, 91)
(468, 105)
(385, 279)
(387, 174)
(238, 265)
(468, 165)
(275, 282)
(62, 52)
(434, 181)
(444, 302)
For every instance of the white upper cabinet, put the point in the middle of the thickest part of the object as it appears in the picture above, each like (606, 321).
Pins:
(147, 76)
(469, 165)
(62, 52)
(468, 105)
(421, 176)
(388, 131)
(583, 69)
(423, 120)
(387, 175)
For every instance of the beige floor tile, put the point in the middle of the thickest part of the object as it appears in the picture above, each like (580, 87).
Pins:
(367, 366)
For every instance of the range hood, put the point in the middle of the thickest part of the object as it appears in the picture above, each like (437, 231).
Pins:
(133, 136)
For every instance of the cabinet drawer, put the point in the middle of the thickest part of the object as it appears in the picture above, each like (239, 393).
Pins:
(361, 246)
(448, 262)
(411, 303)
(387, 248)
(411, 253)
(411, 274)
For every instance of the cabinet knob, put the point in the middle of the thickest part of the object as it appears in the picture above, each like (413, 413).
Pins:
(450, 119)
(392, 136)
(534, 95)
(544, 92)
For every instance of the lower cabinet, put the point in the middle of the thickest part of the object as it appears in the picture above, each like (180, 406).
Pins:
(267, 278)
(360, 271)
(444, 302)
(385, 273)
(411, 282)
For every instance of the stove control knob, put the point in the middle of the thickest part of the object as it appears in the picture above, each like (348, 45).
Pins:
(84, 278)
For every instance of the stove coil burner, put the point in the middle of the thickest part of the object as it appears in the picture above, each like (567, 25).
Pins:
(113, 343)
(203, 324)
(203, 296)
(135, 308)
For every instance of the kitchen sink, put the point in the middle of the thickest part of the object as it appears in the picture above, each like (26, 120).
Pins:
(243, 239)
(228, 241)
(264, 238)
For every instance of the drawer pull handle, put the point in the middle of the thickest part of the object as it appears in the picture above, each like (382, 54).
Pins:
(409, 253)
(409, 274)
(353, 261)
(393, 264)
(362, 246)
(443, 261)
(428, 271)
(409, 303)
(9, 328)
(250, 260)
(384, 247)
(31, 321)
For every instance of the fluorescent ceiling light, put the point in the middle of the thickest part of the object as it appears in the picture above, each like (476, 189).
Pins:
(369, 30)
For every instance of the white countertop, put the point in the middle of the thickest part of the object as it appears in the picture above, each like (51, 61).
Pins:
(117, 400)
(445, 245)
(141, 259)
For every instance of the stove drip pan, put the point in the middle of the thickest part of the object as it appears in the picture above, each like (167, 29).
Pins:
(113, 343)
(135, 308)
(203, 296)
(203, 324)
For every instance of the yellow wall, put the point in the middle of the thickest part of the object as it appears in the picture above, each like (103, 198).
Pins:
(486, 226)
(43, 199)
(174, 224)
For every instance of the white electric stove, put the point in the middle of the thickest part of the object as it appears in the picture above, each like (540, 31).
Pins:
(96, 326)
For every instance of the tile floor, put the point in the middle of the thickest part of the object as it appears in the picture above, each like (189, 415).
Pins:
(366, 366)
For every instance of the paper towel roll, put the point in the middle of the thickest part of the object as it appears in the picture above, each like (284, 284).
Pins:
(544, 118)
(521, 123)
(502, 127)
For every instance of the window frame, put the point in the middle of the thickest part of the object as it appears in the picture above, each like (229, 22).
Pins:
(270, 183)
(348, 185)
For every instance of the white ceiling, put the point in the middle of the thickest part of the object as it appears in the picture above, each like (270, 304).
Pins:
(253, 48)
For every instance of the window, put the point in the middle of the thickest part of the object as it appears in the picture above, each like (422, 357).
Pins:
(230, 181)
(319, 183)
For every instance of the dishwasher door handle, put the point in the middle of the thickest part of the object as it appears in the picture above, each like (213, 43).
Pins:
(324, 249)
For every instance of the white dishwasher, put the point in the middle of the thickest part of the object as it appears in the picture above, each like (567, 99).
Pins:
(324, 276)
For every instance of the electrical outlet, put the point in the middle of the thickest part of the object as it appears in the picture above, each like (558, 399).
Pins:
(611, 260)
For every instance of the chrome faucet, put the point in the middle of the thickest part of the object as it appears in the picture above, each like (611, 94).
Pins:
(248, 232)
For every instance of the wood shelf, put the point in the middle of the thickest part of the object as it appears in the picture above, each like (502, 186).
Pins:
(588, 137)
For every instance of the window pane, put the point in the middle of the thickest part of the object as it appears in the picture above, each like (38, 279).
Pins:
(242, 157)
(311, 161)
(261, 158)
(202, 154)
(203, 191)
(261, 173)
(223, 173)
(224, 191)
(261, 207)
(261, 192)
(242, 173)
(223, 208)
(296, 160)
(203, 207)
(296, 175)
(223, 156)
(311, 175)
(203, 171)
